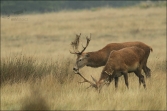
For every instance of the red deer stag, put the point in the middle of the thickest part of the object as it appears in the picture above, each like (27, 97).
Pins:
(121, 62)
(100, 57)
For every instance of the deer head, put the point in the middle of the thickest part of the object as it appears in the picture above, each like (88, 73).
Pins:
(104, 80)
(98, 84)
(81, 60)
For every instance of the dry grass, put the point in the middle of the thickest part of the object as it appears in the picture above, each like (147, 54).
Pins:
(45, 39)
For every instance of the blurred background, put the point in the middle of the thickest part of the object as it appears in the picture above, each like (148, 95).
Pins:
(35, 6)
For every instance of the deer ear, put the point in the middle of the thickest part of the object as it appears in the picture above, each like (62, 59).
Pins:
(87, 55)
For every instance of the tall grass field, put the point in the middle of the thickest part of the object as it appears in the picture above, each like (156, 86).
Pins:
(36, 65)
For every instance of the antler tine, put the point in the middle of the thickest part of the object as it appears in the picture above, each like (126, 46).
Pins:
(85, 80)
(94, 79)
(78, 35)
(75, 44)
(74, 52)
(87, 43)
(89, 37)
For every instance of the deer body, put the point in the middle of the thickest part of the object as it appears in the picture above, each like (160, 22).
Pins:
(118, 59)
(100, 57)
(120, 63)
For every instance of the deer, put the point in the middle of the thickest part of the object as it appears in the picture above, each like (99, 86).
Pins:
(99, 58)
(121, 62)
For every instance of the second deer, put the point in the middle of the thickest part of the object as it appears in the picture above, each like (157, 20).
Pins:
(121, 62)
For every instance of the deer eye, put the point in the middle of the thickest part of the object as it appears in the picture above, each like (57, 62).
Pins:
(80, 59)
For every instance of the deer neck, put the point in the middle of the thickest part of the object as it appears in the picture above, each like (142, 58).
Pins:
(97, 59)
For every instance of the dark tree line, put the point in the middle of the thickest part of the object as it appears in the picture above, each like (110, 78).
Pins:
(38, 6)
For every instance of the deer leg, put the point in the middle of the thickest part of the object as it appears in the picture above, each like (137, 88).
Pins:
(141, 78)
(146, 70)
(126, 79)
(149, 72)
(137, 74)
(116, 82)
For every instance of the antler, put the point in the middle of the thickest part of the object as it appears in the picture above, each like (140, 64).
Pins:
(87, 43)
(75, 42)
(92, 84)
(85, 80)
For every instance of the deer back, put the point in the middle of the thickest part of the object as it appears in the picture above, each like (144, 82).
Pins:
(123, 59)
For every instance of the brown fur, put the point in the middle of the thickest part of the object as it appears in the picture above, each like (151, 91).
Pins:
(121, 62)
(100, 57)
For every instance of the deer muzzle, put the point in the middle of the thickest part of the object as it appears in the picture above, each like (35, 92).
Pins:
(76, 70)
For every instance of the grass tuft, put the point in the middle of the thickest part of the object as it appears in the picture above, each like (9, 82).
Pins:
(21, 68)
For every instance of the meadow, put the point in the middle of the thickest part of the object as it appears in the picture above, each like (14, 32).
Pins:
(36, 66)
